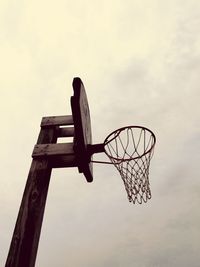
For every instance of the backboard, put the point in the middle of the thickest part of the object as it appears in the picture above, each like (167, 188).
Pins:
(82, 128)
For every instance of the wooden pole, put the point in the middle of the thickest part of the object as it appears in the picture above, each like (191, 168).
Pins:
(24, 244)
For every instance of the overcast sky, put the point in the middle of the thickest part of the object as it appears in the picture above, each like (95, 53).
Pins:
(140, 63)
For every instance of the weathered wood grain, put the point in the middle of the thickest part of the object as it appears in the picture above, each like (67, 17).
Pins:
(57, 121)
(48, 150)
(24, 244)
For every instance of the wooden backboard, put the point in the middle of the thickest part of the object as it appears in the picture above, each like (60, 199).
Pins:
(82, 128)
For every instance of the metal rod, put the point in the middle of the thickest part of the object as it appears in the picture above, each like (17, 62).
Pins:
(96, 148)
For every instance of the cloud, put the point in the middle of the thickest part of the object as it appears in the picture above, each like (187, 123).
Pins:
(139, 62)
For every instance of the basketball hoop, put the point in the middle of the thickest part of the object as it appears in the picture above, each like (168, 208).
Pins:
(130, 150)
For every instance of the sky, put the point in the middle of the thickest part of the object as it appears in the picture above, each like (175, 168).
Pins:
(140, 64)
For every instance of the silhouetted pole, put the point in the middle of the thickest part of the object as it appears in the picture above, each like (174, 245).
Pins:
(24, 244)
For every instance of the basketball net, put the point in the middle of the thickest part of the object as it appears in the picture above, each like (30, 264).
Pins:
(130, 149)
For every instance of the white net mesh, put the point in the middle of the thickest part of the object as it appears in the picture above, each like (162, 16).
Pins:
(130, 149)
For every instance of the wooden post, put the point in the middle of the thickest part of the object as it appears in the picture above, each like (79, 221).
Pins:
(24, 244)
